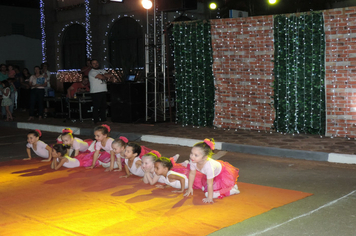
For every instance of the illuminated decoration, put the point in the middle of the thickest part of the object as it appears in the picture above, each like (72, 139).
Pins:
(43, 32)
(177, 14)
(69, 76)
(212, 6)
(87, 29)
(272, 2)
(147, 4)
(105, 42)
(299, 68)
(193, 61)
(58, 40)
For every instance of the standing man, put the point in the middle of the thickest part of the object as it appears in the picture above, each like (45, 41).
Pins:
(98, 90)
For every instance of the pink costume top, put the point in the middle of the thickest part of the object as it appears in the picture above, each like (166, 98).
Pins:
(107, 147)
(211, 168)
(134, 170)
(176, 183)
(79, 144)
(71, 163)
(41, 150)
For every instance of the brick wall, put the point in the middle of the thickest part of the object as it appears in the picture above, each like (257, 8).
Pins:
(243, 54)
(243, 67)
(340, 76)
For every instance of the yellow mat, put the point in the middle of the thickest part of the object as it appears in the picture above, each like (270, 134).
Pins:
(34, 200)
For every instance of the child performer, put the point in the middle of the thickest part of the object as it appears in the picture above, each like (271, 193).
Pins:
(60, 157)
(103, 141)
(76, 144)
(118, 146)
(221, 177)
(174, 179)
(40, 148)
(148, 166)
(132, 160)
(6, 100)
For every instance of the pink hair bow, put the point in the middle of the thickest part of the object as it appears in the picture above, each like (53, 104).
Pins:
(106, 126)
(39, 132)
(124, 139)
(209, 143)
(156, 153)
(67, 130)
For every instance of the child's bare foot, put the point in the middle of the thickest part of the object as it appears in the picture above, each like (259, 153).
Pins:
(45, 160)
(26, 159)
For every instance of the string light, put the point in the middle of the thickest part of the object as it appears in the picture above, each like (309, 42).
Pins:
(43, 32)
(295, 67)
(59, 39)
(108, 28)
(87, 29)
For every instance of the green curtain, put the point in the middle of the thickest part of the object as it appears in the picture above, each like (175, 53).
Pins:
(193, 59)
(299, 70)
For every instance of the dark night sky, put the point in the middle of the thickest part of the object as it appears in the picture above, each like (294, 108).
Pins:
(254, 7)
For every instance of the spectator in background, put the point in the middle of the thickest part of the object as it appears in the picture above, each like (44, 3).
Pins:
(17, 83)
(24, 102)
(79, 87)
(11, 96)
(3, 72)
(85, 70)
(11, 72)
(47, 75)
(98, 90)
(38, 83)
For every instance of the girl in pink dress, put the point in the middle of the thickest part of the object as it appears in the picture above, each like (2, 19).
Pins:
(40, 148)
(132, 160)
(75, 144)
(220, 177)
(103, 141)
(60, 157)
(118, 146)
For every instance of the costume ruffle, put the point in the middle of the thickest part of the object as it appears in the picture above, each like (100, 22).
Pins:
(224, 181)
(86, 158)
(178, 167)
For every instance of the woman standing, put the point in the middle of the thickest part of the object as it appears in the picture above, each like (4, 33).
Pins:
(38, 83)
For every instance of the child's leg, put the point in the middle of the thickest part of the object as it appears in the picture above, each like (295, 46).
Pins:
(8, 113)
(107, 165)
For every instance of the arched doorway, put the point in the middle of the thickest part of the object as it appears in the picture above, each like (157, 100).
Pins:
(73, 47)
(126, 45)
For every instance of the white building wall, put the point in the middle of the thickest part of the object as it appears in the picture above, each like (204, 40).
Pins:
(20, 48)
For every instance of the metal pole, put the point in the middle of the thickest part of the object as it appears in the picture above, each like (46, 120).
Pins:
(155, 57)
(147, 58)
(163, 63)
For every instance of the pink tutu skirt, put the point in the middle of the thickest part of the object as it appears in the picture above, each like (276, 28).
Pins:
(144, 150)
(224, 181)
(177, 167)
(86, 158)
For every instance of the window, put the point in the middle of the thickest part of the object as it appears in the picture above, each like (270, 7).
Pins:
(126, 44)
(74, 47)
